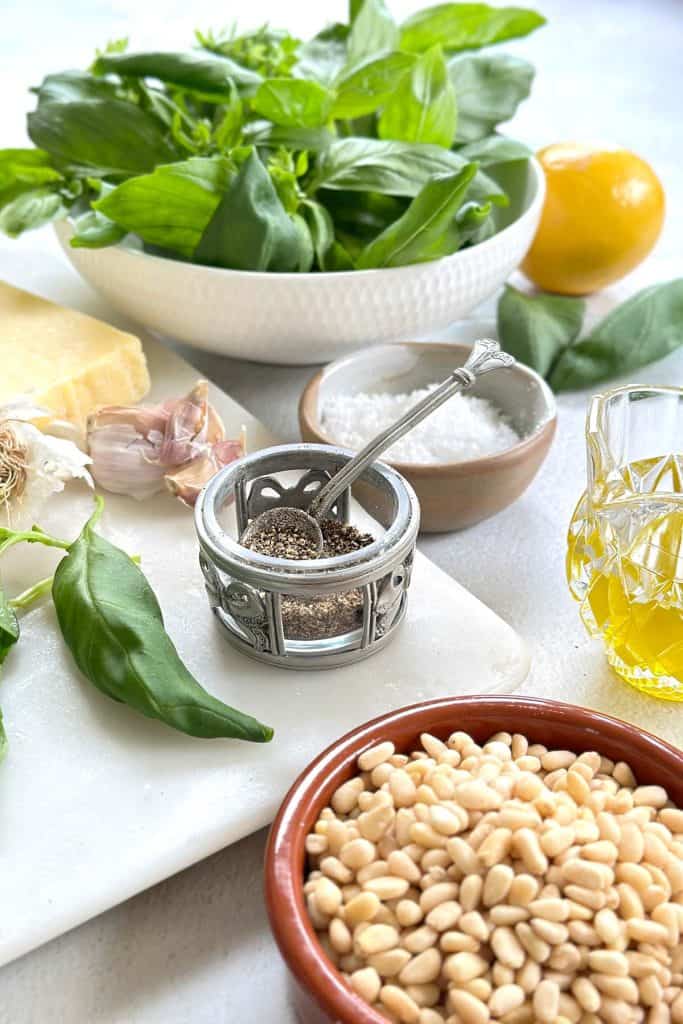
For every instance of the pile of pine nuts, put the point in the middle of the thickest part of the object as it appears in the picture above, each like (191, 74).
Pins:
(507, 882)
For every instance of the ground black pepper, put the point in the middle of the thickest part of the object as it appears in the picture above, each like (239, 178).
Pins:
(315, 618)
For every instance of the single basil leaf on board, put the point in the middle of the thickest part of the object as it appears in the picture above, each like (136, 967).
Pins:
(30, 210)
(92, 230)
(250, 229)
(113, 626)
(488, 90)
(394, 168)
(171, 207)
(9, 626)
(26, 167)
(293, 102)
(323, 57)
(100, 137)
(373, 31)
(321, 227)
(209, 75)
(496, 149)
(536, 328)
(645, 328)
(366, 87)
(423, 107)
(70, 86)
(427, 230)
(466, 26)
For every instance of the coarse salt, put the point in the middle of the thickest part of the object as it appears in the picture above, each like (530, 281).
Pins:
(464, 427)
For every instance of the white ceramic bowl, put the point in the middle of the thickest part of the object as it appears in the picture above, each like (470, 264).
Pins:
(307, 318)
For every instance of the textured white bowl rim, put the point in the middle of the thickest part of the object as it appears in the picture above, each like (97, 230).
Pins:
(487, 330)
(537, 183)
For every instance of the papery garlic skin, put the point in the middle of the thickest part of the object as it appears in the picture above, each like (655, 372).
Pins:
(124, 445)
(180, 443)
(47, 464)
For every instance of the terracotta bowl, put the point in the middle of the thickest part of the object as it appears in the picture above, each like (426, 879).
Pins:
(452, 494)
(319, 991)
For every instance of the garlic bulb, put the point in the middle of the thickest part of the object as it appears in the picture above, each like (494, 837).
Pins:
(33, 465)
(179, 444)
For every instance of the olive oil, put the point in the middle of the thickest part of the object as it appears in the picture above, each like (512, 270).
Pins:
(625, 567)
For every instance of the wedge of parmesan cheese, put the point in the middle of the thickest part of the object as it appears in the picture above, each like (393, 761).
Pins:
(66, 361)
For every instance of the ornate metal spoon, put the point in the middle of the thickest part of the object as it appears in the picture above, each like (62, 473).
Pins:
(486, 355)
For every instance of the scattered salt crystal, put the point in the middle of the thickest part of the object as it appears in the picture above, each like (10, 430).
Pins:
(464, 427)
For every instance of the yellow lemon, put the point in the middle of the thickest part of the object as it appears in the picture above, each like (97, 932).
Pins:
(603, 213)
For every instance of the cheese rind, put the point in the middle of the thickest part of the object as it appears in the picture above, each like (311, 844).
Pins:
(66, 361)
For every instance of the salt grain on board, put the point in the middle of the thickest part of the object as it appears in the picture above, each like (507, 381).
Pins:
(464, 427)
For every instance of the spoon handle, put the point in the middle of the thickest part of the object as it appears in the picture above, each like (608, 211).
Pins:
(485, 355)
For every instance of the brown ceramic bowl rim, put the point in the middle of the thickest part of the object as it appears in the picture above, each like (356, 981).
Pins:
(463, 467)
(285, 853)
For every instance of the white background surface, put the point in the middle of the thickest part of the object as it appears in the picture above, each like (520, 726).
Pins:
(196, 948)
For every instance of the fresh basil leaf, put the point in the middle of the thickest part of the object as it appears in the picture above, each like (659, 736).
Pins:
(394, 168)
(31, 209)
(496, 149)
(646, 327)
(9, 627)
(171, 207)
(536, 328)
(305, 244)
(488, 90)
(71, 86)
(293, 102)
(367, 86)
(100, 137)
(271, 52)
(210, 76)
(273, 136)
(466, 26)
(323, 57)
(92, 230)
(250, 229)
(422, 108)
(373, 31)
(26, 167)
(113, 626)
(338, 259)
(363, 214)
(427, 230)
(228, 122)
(321, 228)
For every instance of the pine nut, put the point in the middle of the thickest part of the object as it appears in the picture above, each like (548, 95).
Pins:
(608, 961)
(477, 796)
(536, 947)
(396, 1000)
(387, 887)
(507, 947)
(528, 848)
(377, 938)
(420, 940)
(497, 884)
(586, 994)
(440, 893)
(495, 847)
(408, 913)
(462, 967)
(546, 1002)
(423, 968)
(642, 930)
(444, 916)
(367, 983)
(470, 893)
(469, 1009)
(390, 962)
(550, 909)
(346, 797)
(650, 796)
(369, 759)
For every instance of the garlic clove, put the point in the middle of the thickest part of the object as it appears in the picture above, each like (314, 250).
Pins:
(187, 427)
(186, 483)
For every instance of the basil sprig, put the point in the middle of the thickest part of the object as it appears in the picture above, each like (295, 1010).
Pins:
(111, 622)
(543, 331)
(372, 106)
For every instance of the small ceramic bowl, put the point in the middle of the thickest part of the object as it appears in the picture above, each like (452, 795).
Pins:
(319, 991)
(310, 318)
(452, 494)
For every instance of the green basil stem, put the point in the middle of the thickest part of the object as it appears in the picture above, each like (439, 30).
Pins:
(33, 536)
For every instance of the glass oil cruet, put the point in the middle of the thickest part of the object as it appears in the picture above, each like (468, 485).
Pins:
(625, 544)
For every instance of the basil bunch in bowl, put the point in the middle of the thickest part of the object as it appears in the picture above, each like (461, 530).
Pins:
(285, 200)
